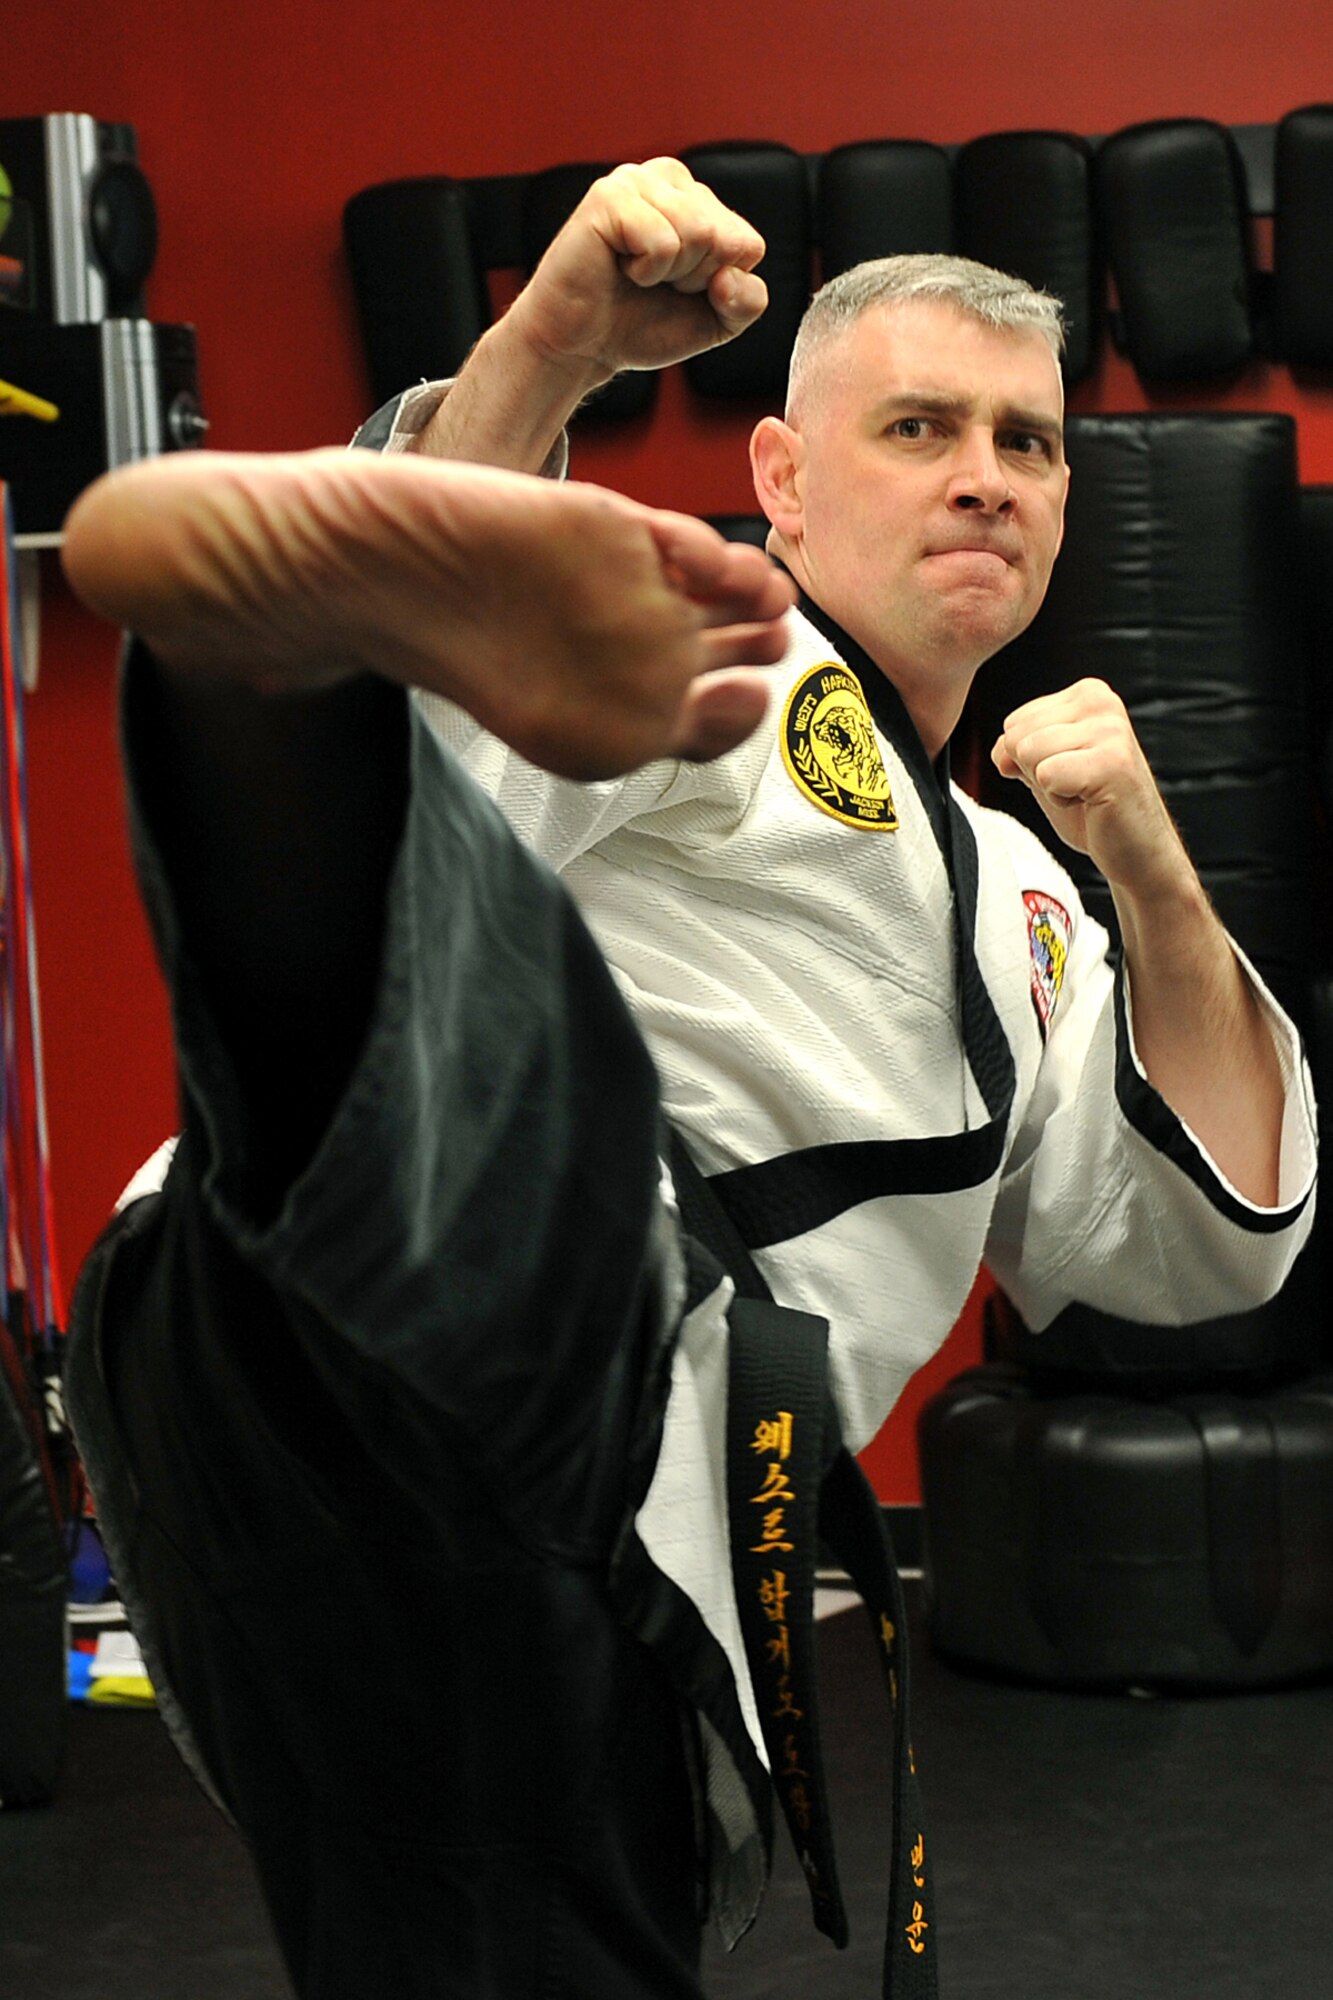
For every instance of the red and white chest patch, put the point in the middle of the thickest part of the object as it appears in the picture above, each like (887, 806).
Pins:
(1049, 932)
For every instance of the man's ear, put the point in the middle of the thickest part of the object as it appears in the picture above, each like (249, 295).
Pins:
(777, 455)
(1063, 505)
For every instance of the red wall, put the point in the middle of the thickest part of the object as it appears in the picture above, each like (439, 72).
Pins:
(255, 124)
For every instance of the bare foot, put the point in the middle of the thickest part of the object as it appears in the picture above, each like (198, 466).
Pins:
(590, 633)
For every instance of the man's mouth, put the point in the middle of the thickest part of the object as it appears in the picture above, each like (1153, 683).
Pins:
(976, 548)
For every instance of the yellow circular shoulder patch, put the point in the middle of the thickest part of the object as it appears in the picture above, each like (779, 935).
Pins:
(829, 746)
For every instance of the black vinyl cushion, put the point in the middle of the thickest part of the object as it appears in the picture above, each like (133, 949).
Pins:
(882, 198)
(1303, 237)
(1172, 201)
(1098, 1541)
(770, 186)
(1023, 203)
(419, 284)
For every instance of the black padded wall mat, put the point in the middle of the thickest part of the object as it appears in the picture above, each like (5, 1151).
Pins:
(881, 198)
(1170, 201)
(770, 186)
(1173, 207)
(1023, 202)
(1303, 237)
(419, 283)
(549, 199)
(1092, 1541)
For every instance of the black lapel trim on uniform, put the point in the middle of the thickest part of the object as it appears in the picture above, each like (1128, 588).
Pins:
(1153, 1120)
(773, 1200)
(985, 1044)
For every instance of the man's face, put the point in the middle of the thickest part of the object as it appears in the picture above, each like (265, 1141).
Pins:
(928, 487)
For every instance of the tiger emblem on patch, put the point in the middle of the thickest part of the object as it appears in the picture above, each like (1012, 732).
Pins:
(830, 749)
(1049, 932)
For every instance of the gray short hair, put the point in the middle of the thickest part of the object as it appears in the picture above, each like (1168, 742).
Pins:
(993, 297)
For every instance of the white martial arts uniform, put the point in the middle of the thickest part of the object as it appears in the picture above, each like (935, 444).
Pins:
(782, 923)
(794, 973)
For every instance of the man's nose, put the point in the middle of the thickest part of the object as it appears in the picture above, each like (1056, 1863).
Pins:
(977, 481)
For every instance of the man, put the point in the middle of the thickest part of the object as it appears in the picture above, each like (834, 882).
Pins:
(831, 959)
(885, 1089)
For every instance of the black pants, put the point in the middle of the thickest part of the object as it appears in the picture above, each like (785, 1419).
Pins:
(362, 1460)
(457, 1773)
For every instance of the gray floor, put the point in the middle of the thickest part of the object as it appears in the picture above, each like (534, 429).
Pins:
(1086, 1848)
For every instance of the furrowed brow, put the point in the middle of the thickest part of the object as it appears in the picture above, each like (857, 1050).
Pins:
(1040, 422)
(935, 403)
(928, 402)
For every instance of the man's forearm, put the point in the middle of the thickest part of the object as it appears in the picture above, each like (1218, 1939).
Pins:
(508, 406)
(1199, 1026)
(1202, 1036)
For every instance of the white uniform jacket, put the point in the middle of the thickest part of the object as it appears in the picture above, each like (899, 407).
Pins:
(783, 926)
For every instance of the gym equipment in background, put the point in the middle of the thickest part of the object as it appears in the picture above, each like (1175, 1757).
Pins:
(1170, 204)
(121, 389)
(86, 381)
(78, 224)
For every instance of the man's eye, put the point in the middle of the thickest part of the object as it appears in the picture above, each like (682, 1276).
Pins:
(1028, 444)
(910, 428)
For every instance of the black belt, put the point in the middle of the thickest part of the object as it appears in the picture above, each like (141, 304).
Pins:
(791, 1481)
